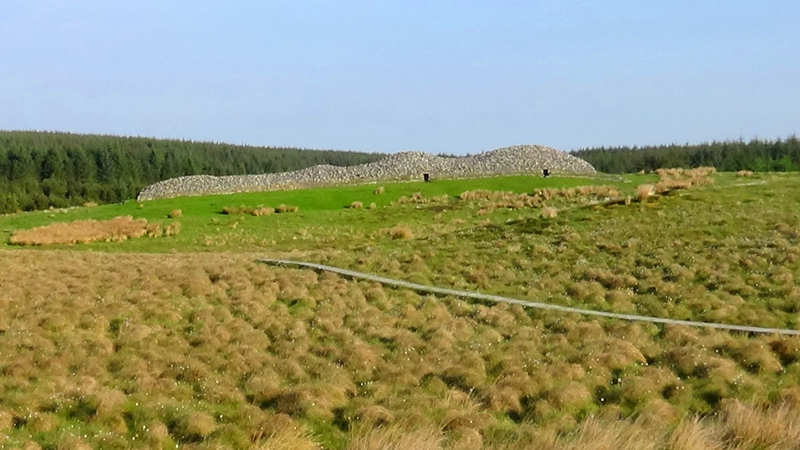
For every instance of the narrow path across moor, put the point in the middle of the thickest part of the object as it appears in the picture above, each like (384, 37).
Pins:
(496, 298)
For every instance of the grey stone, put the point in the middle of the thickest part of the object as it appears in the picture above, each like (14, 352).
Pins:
(518, 159)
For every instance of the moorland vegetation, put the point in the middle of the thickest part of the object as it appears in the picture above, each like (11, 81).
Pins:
(186, 340)
(42, 169)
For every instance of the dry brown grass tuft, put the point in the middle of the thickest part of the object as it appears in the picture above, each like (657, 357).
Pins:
(84, 231)
(6, 420)
(669, 173)
(578, 193)
(490, 201)
(668, 184)
(657, 412)
(571, 395)
(396, 438)
(286, 209)
(744, 173)
(175, 213)
(197, 425)
(156, 433)
(380, 190)
(549, 212)
(475, 195)
(701, 172)
(694, 434)
(750, 427)
(418, 198)
(172, 228)
(645, 191)
(263, 211)
(256, 211)
(356, 205)
(673, 179)
(374, 415)
(289, 438)
(602, 434)
(372, 205)
(401, 232)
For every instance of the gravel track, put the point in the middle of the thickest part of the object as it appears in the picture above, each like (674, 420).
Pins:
(496, 298)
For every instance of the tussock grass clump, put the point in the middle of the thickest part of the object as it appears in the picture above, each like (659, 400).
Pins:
(756, 357)
(701, 171)
(117, 229)
(667, 185)
(356, 205)
(175, 213)
(476, 194)
(192, 426)
(570, 395)
(374, 415)
(489, 201)
(397, 437)
(253, 211)
(608, 278)
(549, 212)
(401, 232)
(744, 173)
(380, 190)
(575, 193)
(6, 420)
(286, 209)
(748, 427)
(645, 191)
(678, 173)
(170, 229)
(289, 436)
(669, 173)
(417, 198)
(598, 191)
(674, 179)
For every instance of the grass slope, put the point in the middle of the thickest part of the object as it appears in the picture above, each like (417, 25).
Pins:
(322, 207)
(125, 346)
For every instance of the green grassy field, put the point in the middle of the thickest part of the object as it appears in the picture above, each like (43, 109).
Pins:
(323, 208)
(187, 341)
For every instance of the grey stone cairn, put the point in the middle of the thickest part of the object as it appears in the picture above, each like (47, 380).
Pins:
(519, 159)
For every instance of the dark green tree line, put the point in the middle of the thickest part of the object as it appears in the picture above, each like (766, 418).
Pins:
(43, 169)
(781, 155)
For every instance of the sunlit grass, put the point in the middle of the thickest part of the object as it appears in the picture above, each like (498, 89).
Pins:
(203, 346)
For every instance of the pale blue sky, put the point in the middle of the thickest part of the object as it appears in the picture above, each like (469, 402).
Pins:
(438, 76)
